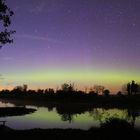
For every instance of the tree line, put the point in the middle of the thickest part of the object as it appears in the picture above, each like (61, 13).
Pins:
(68, 90)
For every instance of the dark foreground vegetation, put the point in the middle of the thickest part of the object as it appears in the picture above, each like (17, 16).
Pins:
(110, 130)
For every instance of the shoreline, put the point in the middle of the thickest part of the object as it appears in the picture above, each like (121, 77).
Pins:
(15, 111)
(96, 133)
(109, 102)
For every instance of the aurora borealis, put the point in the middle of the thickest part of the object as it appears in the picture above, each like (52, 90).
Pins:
(85, 42)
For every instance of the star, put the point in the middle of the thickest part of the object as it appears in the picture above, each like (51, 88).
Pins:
(48, 47)
(69, 11)
(133, 24)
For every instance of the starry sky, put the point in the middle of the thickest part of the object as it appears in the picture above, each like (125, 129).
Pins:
(85, 42)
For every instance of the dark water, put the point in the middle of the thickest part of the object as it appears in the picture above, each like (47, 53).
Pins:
(56, 117)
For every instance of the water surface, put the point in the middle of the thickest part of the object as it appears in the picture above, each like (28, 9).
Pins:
(56, 117)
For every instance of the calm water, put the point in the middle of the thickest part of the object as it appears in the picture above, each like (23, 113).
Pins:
(45, 117)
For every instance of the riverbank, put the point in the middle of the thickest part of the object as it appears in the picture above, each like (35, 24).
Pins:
(120, 102)
(15, 111)
(94, 133)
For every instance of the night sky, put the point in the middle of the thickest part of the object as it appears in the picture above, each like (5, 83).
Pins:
(85, 42)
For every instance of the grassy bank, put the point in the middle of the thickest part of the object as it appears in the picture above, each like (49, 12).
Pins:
(97, 134)
(15, 111)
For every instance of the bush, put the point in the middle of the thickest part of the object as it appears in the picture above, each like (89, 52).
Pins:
(117, 125)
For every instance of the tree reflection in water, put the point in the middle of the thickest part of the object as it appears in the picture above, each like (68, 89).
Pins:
(100, 114)
(67, 117)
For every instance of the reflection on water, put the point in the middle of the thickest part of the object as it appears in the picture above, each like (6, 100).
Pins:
(69, 117)
(2, 104)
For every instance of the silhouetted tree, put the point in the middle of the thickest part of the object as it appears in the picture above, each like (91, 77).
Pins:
(18, 88)
(134, 87)
(46, 91)
(51, 91)
(131, 88)
(119, 93)
(92, 93)
(17, 91)
(67, 87)
(138, 88)
(5, 21)
(25, 87)
(106, 92)
(40, 91)
(99, 88)
(91, 89)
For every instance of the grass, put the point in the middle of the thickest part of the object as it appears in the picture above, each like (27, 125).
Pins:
(94, 133)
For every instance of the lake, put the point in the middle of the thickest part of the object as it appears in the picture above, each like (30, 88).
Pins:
(61, 117)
